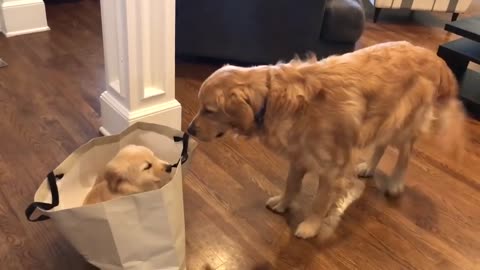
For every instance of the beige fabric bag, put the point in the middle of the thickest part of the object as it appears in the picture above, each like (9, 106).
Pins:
(140, 231)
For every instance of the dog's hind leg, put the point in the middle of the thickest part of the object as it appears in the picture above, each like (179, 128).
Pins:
(367, 169)
(394, 184)
(348, 190)
(281, 202)
(322, 203)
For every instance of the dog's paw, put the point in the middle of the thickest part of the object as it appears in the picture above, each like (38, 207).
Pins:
(277, 204)
(364, 171)
(328, 227)
(394, 188)
(307, 229)
(391, 187)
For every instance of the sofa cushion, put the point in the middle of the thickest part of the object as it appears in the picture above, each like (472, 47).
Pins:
(343, 20)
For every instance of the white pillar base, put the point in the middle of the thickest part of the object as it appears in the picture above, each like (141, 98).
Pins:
(23, 17)
(116, 118)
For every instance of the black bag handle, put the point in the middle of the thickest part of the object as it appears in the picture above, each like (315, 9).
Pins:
(52, 184)
(184, 155)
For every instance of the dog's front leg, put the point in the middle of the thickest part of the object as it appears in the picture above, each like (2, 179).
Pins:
(321, 204)
(281, 202)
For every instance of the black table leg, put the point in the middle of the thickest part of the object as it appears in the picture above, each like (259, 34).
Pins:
(455, 16)
(377, 13)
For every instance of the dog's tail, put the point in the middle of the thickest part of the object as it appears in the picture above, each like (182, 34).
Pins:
(450, 127)
(449, 118)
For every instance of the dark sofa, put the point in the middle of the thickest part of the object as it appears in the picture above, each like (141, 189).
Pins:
(266, 31)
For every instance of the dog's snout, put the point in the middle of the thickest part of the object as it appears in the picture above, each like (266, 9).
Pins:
(168, 168)
(192, 130)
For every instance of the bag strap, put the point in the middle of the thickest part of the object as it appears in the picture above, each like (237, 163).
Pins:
(184, 155)
(52, 183)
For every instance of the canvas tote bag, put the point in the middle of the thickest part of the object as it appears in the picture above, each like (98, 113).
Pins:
(140, 231)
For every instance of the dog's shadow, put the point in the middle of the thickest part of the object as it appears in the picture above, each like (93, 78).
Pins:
(297, 253)
(412, 203)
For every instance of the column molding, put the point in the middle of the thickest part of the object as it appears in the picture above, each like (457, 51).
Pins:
(139, 51)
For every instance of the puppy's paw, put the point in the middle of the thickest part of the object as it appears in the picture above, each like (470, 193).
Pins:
(277, 204)
(307, 229)
(363, 170)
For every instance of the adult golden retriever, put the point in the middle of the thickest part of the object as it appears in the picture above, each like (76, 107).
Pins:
(316, 113)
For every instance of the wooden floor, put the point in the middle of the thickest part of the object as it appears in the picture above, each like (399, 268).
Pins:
(49, 106)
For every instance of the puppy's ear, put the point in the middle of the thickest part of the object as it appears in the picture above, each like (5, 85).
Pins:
(114, 178)
(239, 108)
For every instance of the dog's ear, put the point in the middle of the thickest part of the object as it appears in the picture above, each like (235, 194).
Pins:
(114, 178)
(239, 108)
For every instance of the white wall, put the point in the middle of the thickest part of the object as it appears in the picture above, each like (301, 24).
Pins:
(23, 17)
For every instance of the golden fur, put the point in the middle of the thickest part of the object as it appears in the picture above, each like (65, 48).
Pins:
(317, 112)
(134, 169)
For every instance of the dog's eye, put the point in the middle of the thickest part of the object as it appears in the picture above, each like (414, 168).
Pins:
(148, 167)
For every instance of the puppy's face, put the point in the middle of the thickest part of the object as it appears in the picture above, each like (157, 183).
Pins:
(225, 104)
(136, 169)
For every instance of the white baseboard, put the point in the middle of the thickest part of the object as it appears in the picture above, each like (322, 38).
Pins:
(23, 17)
(28, 31)
(116, 117)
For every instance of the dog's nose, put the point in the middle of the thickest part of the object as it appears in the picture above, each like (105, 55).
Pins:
(168, 168)
(192, 130)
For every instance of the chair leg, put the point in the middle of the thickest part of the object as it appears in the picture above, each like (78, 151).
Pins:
(377, 13)
(455, 16)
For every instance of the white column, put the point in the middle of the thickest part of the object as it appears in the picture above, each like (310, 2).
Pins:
(20, 17)
(139, 50)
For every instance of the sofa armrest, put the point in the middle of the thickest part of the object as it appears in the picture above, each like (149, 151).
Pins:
(344, 21)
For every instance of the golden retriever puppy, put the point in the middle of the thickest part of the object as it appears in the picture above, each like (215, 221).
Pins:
(134, 169)
(315, 113)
